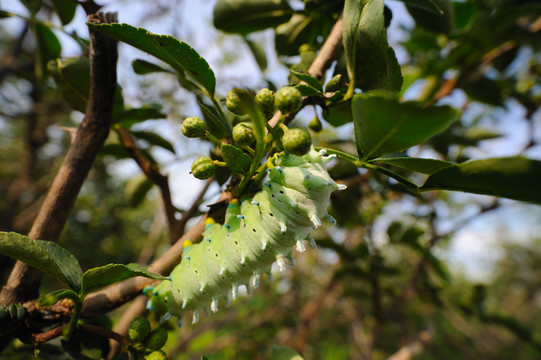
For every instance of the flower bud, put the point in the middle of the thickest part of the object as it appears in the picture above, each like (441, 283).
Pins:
(234, 101)
(156, 355)
(297, 141)
(139, 329)
(288, 100)
(265, 100)
(157, 339)
(203, 168)
(243, 133)
(193, 127)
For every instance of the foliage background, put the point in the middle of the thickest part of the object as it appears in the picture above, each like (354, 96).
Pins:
(388, 278)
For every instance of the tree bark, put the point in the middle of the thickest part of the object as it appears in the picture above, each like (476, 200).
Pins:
(23, 282)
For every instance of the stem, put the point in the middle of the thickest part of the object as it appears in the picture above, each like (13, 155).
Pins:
(72, 325)
(213, 138)
(216, 103)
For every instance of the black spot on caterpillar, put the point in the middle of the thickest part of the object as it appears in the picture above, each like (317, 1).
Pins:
(256, 232)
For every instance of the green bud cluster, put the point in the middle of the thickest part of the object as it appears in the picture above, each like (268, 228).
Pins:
(156, 355)
(147, 343)
(156, 339)
(264, 99)
(243, 134)
(139, 329)
(288, 99)
(297, 141)
(193, 127)
(234, 101)
(203, 168)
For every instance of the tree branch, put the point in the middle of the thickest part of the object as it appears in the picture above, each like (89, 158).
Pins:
(115, 295)
(23, 282)
(152, 172)
(328, 53)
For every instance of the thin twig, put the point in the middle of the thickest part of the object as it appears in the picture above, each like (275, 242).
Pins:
(411, 290)
(328, 53)
(154, 175)
(189, 213)
(136, 308)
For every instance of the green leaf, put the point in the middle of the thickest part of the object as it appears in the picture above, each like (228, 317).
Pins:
(309, 79)
(284, 353)
(483, 89)
(99, 277)
(427, 5)
(72, 76)
(85, 346)
(292, 34)
(339, 113)
(48, 47)
(133, 116)
(54, 296)
(465, 13)
(65, 9)
(236, 159)
(143, 67)
(246, 16)
(154, 139)
(307, 90)
(441, 22)
(46, 256)
(217, 125)
(384, 125)
(137, 188)
(510, 177)
(259, 53)
(32, 5)
(5, 14)
(371, 63)
(178, 54)
(424, 166)
(402, 180)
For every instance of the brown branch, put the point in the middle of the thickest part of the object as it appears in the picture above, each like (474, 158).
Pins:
(152, 172)
(413, 348)
(104, 332)
(117, 294)
(326, 298)
(189, 213)
(420, 269)
(24, 280)
(328, 53)
(37, 339)
(40, 338)
(137, 307)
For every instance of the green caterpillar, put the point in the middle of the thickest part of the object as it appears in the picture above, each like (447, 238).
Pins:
(256, 232)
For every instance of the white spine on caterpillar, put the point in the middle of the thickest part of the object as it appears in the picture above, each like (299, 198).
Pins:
(255, 234)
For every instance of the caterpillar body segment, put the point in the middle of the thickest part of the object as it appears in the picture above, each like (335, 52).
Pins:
(257, 232)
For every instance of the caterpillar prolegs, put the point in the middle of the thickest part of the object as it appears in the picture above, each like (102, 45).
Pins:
(256, 232)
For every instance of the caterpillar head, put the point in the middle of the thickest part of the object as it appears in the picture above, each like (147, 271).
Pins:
(306, 173)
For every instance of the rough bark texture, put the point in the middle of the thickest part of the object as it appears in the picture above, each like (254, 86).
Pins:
(24, 281)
